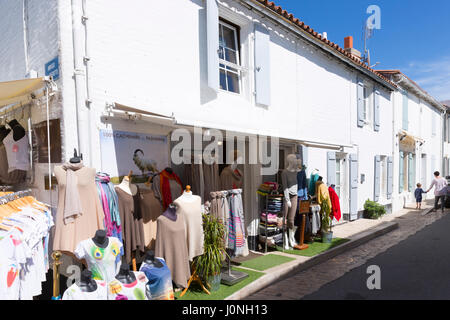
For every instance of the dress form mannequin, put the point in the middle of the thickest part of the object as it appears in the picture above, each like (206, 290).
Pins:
(289, 177)
(87, 284)
(125, 275)
(127, 186)
(150, 259)
(187, 195)
(100, 239)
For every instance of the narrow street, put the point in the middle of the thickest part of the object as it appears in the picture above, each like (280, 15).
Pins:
(414, 261)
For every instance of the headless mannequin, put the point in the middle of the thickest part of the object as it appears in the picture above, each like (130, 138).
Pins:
(87, 284)
(18, 130)
(4, 132)
(100, 239)
(125, 275)
(150, 260)
(291, 168)
(187, 195)
(127, 186)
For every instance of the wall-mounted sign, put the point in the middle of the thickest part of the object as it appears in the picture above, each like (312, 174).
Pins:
(52, 68)
(124, 151)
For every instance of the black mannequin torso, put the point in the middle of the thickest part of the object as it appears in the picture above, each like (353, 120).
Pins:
(100, 239)
(125, 275)
(150, 260)
(18, 130)
(87, 284)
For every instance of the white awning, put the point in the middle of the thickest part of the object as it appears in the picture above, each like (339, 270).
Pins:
(19, 91)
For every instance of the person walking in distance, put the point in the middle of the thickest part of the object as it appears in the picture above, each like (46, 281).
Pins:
(418, 195)
(440, 190)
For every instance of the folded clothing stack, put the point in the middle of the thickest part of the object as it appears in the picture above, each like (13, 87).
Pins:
(267, 188)
(271, 217)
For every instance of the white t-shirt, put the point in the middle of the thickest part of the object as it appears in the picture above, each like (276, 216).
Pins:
(136, 290)
(439, 185)
(104, 263)
(74, 292)
(17, 152)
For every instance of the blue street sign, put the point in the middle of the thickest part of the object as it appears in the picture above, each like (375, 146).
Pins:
(52, 68)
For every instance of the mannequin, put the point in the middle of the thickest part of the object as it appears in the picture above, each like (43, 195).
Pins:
(100, 239)
(87, 284)
(290, 188)
(18, 130)
(187, 195)
(171, 212)
(150, 259)
(127, 186)
(125, 275)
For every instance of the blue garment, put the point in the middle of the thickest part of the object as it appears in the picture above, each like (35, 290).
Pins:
(418, 194)
(159, 280)
(302, 194)
(301, 179)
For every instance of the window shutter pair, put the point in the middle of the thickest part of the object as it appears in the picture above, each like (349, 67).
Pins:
(331, 168)
(400, 184)
(376, 110)
(405, 111)
(376, 106)
(262, 54)
(411, 172)
(390, 177)
(353, 166)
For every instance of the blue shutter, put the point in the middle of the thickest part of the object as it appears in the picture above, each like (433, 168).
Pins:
(376, 180)
(390, 176)
(353, 166)
(360, 102)
(376, 110)
(410, 172)
(331, 168)
(262, 65)
(212, 35)
(405, 111)
(400, 175)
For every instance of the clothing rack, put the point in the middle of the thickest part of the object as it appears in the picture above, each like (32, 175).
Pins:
(5, 188)
(15, 195)
(267, 211)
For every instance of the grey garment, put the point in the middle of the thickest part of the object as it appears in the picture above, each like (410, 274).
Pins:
(211, 179)
(289, 181)
(221, 210)
(237, 215)
(175, 189)
(194, 177)
(315, 220)
(289, 213)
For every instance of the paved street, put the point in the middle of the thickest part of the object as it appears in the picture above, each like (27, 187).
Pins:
(416, 268)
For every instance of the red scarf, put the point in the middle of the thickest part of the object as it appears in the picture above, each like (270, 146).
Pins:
(165, 186)
(335, 206)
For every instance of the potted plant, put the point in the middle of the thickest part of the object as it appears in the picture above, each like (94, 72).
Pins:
(373, 210)
(209, 264)
(327, 233)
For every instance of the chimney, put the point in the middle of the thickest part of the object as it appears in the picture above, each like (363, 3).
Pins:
(348, 46)
(325, 35)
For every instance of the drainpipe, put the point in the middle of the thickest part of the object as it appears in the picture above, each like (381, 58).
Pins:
(83, 113)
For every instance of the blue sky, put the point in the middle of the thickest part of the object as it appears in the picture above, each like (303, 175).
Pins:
(414, 35)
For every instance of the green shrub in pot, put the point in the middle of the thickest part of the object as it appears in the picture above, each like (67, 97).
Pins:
(373, 210)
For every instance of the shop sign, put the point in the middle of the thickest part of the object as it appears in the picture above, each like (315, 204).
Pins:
(52, 68)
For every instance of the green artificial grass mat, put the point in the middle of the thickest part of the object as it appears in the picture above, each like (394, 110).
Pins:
(316, 247)
(196, 293)
(265, 262)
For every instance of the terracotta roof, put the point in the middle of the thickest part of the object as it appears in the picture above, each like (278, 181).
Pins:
(300, 24)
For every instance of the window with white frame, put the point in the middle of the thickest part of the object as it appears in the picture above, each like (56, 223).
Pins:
(229, 58)
(367, 102)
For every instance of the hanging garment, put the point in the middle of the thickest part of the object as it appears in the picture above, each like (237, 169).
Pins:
(221, 210)
(211, 179)
(75, 293)
(315, 219)
(68, 235)
(312, 184)
(167, 187)
(231, 179)
(335, 205)
(159, 280)
(194, 177)
(236, 229)
(17, 152)
(9, 178)
(137, 290)
(104, 263)
(192, 214)
(110, 205)
(151, 209)
(301, 179)
(323, 195)
(132, 225)
(172, 247)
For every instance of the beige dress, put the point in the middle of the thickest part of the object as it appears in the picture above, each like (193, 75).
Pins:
(151, 209)
(67, 236)
(172, 247)
(192, 214)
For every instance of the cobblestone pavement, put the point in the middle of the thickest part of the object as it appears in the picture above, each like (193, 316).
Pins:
(297, 285)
